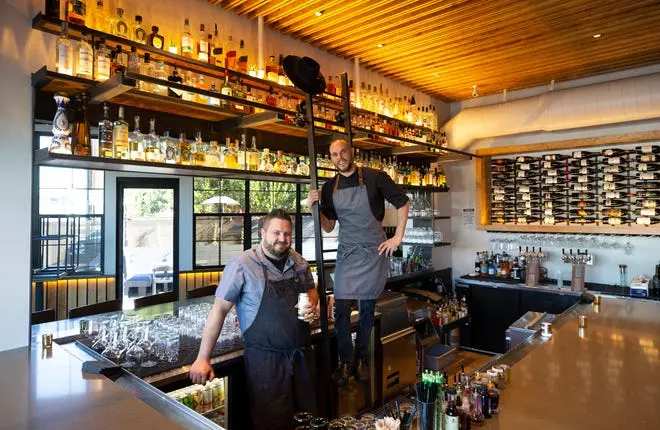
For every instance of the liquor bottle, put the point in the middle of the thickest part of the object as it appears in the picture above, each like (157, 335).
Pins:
(280, 164)
(187, 41)
(452, 414)
(493, 397)
(609, 177)
(253, 156)
(242, 58)
(266, 164)
(120, 136)
(98, 17)
(154, 39)
(647, 158)
(213, 155)
(105, 134)
(648, 194)
(231, 157)
(152, 149)
(218, 56)
(136, 142)
(525, 160)
(185, 151)
(644, 167)
(202, 45)
(76, 12)
(582, 212)
(139, 33)
(174, 77)
(555, 157)
(133, 61)
(584, 154)
(583, 162)
(303, 167)
(147, 68)
(238, 92)
(272, 69)
(615, 212)
(81, 142)
(119, 25)
(102, 62)
(213, 101)
(651, 212)
(583, 187)
(648, 185)
(281, 76)
(173, 48)
(160, 73)
(199, 150)
(643, 220)
(64, 53)
(171, 148)
(648, 204)
(84, 58)
(226, 90)
(121, 59)
(242, 152)
(230, 54)
(583, 171)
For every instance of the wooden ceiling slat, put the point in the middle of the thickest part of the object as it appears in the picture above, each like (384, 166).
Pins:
(494, 44)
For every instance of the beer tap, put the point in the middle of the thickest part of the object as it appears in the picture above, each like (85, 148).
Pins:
(578, 262)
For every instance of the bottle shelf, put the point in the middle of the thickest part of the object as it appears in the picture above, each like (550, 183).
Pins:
(434, 245)
(272, 122)
(44, 158)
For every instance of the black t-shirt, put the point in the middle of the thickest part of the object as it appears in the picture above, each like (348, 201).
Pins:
(278, 263)
(380, 187)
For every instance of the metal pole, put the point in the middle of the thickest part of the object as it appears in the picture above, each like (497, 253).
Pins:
(320, 267)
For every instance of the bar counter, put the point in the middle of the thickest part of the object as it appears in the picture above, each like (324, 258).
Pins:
(603, 377)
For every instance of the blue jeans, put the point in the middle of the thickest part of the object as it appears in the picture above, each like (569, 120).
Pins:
(343, 330)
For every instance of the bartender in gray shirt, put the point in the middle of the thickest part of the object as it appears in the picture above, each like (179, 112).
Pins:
(263, 283)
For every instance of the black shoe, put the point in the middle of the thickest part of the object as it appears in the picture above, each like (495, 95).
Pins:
(343, 374)
(363, 372)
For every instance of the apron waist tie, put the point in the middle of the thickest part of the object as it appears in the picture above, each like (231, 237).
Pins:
(289, 354)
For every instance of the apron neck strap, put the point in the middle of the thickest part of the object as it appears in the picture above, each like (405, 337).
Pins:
(360, 180)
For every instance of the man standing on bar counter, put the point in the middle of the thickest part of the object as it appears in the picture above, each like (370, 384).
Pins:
(356, 198)
(264, 284)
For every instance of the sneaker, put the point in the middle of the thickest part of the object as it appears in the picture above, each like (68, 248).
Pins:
(343, 374)
(363, 372)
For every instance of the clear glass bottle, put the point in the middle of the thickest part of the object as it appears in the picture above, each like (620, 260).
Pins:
(226, 90)
(152, 150)
(199, 150)
(120, 136)
(139, 33)
(148, 69)
(303, 167)
(202, 45)
(84, 58)
(119, 24)
(105, 134)
(476, 415)
(217, 54)
(99, 17)
(253, 156)
(160, 73)
(102, 62)
(213, 101)
(171, 148)
(64, 53)
(133, 61)
(242, 152)
(202, 85)
(185, 151)
(187, 40)
(213, 155)
(136, 142)
(231, 157)
(280, 164)
(266, 164)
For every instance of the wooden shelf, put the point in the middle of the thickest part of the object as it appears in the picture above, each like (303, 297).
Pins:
(44, 158)
(272, 122)
(429, 245)
(637, 230)
(53, 82)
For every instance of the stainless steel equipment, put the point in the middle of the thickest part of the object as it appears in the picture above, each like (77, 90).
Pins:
(398, 343)
(533, 271)
(578, 261)
(525, 326)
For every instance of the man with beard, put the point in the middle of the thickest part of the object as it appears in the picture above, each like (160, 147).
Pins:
(264, 284)
(355, 198)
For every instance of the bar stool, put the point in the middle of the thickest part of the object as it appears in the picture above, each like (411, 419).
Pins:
(97, 308)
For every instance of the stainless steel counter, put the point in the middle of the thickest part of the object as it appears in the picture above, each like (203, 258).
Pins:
(604, 377)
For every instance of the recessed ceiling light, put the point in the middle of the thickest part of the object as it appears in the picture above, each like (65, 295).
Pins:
(380, 45)
(319, 12)
(596, 36)
(436, 74)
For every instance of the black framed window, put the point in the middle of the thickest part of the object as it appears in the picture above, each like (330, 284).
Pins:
(68, 235)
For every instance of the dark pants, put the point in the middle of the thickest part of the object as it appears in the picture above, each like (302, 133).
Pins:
(343, 329)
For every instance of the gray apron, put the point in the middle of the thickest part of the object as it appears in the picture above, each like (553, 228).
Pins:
(360, 273)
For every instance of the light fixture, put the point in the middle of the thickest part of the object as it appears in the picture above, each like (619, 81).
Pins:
(380, 45)
(436, 74)
(596, 36)
(475, 93)
(319, 12)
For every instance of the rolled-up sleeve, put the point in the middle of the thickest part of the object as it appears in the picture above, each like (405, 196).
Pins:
(391, 191)
(232, 282)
